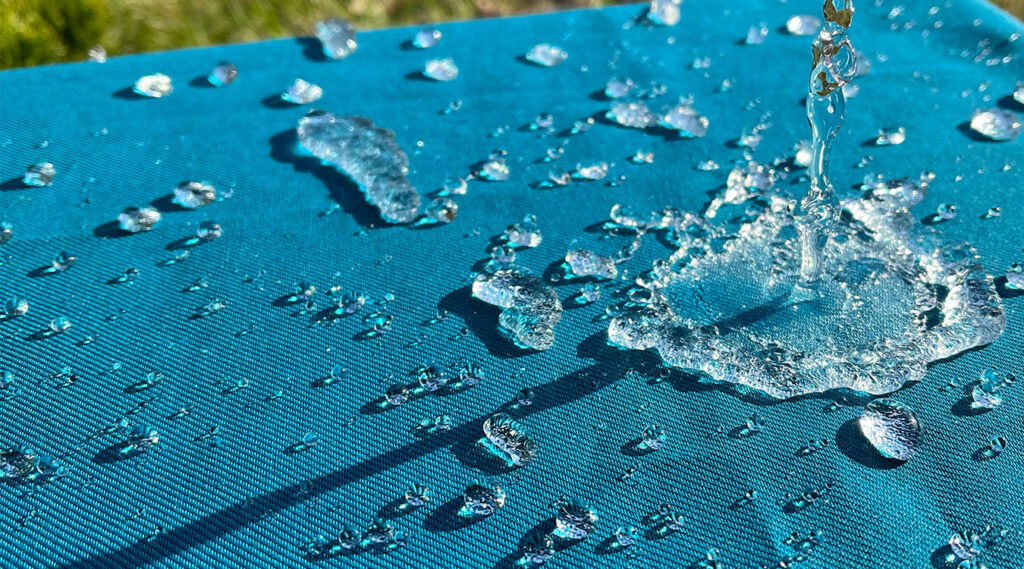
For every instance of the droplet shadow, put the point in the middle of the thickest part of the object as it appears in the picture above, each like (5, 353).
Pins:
(14, 184)
(852, 443)
(446, 517)
(482, 320)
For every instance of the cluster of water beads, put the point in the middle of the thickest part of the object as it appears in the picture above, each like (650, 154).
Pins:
(681, 117)
(892, 428)
(223, 74)
(302, 92)
(968, 547)
(441, 69)
(482, 500)
(23, 464)
(369, 155)
(505, 437)
(530, 308)
(546, 55)
(154, 86)
(337, 37)
(987, 394)
(797, 501)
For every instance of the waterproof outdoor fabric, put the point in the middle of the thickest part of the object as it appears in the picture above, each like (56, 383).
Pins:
(252, 501)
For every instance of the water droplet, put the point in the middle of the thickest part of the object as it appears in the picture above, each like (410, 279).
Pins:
(525, 233)
(39, 175)
(618, 88)
(1015, 276)
(996, 124)
(454, 186)
(664, 12)
(892, 428)
(538, 550)
(62, 262)
(803, 25)
(155, 86)
(426, 37)
(442, 210)
(547, 55)
(891, 136)
(625, 537)
(707, 165)
(507, 439)
(591, 171)
(301, 92)
(441, 69)
(136, 220)
(416, 496)
(583, 263)
(223, 74)
(338, 37)
(591, 292)
(15, 307)
(191, 195)
(945, 212)
(992, 212)
(494, 170)
(481, 500)
(6, 231)
(756, 34)
(573, 519)
(653, 438)
(632, 114)
(686, 120)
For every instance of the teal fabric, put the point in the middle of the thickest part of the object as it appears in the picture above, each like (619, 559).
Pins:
(250, 502)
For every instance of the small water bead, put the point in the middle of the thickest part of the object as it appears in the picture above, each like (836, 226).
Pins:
(642, 157)
(756, 34)
(753, 425)
(542, 121)
(471, 374)
(137, 220)
(442, 210)
(97, 54)
(581, 126)
(337, 36)
(996, 446)
(892, 428)
(996, 124)
(508, 440)
(992, 212)
(1015, 276)
(60, 324)
(192, 195)
(39, 175)
(573, 519)
(481, 500)
(653, 438)
(309, 439)
(591, 171)
(585, 263)
(6, 232)
(812, 447)
(140, 439)
(430, 378)
(396, 395)
(803, 25)
(211, 307)
(618, 88)
(547, 55)
(302, 92)
(591, 292)
(525, 397)
(707, 165)
(6, 379)
(426, 37)
(625, 537)
(454, 186)
(945, 212)
(525, 233)
(382, 534)
(538, 550)
(502, 255)
(223, 74)
(711, 560)
(155, 86)
(441, 69)
(1018, 92)
(891, 136)
(209, 230)
(668, 519)
(416, 496)
(495, 169)
(15, 306)
(686, 120)
(664, 12)
(453, 107)
(986, 394)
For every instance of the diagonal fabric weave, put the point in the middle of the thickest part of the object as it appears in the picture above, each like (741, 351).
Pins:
(253, 500)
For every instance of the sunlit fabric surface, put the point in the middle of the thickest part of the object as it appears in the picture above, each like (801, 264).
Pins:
(252, 503)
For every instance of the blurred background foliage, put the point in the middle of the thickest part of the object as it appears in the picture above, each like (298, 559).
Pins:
(34, 32)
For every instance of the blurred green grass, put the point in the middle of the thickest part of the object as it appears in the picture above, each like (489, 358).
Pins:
(34, 32)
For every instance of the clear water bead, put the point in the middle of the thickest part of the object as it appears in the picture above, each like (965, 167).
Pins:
(585, 263)
(426, 38)
(494, 170)
(136, 220)
(592, 171)
(442, 210)
(6, 231)
(996, 124)
(15, 307)
(155, 86)
(192, 195)
(618, 88)
(224, 74)
(664, 12)
(707, 165)
(803, 25)
(97, 54)
(338, 37)
(209, 230)
(526, 233)
(62, 262)
(997, 445)
(454, 186)
(892, 428)
(441, 69)
(987, 393)
(480, 500)
(301, 92)
(39, 175)
(802, 156)
(687, 120)
(506, 438)
(60, 324)
(634, 114)
(945, 211)
(538, 550)
(992, 212)
(1018, 93)
(891, 136)
(573, 519)
(756, 34)
(653, 438)
(1015, 276)
(530, 308)
(547, 55)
